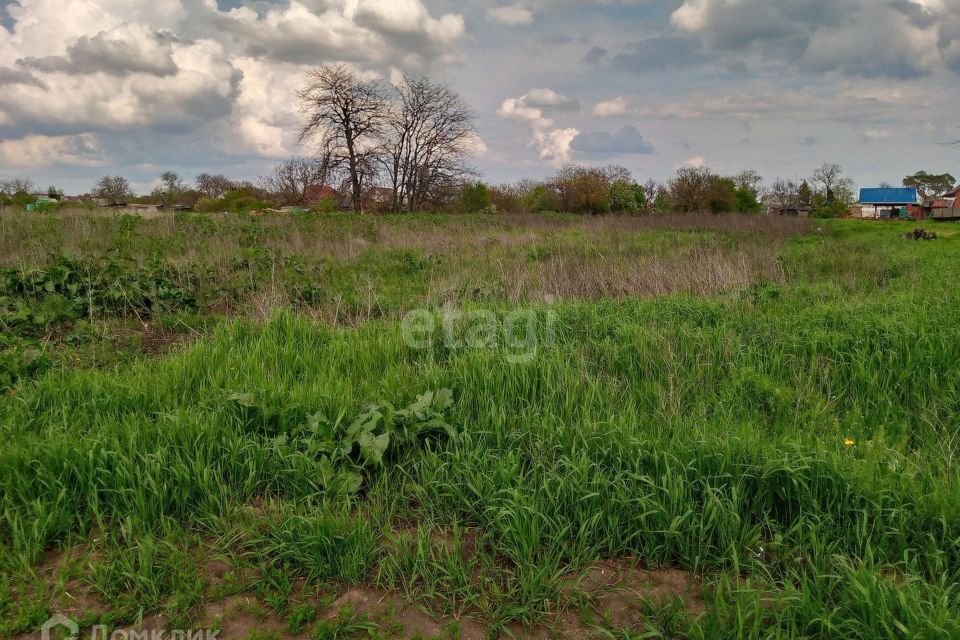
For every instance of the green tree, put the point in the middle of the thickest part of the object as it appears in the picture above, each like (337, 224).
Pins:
(745, 200)
(540, 199)
(475, 197)
(662, 203)
(929, 185)
(623, 197)
(722, 195)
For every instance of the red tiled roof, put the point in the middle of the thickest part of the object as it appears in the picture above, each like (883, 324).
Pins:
(317, 193)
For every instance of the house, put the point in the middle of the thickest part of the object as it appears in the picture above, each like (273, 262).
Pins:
(946, 207)
(780, 207)
(952, 196)
(315, 193)
(889, 202)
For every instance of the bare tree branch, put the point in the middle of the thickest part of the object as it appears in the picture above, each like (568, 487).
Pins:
(344, 116)
(290, 180)
(429, 135)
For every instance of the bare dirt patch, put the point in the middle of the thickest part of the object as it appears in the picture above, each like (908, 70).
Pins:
(621, 592)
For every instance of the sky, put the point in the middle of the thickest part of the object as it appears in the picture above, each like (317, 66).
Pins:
(96, 87)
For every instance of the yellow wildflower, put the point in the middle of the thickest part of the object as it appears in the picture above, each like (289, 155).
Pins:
(849, 442)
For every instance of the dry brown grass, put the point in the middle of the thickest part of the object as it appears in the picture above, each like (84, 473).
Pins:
(374, 266)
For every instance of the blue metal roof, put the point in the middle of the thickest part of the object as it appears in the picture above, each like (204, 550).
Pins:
(888, 196)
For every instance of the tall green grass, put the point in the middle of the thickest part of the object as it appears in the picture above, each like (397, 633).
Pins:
(795, 444)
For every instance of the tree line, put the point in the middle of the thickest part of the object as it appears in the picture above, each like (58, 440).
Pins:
(573, 188)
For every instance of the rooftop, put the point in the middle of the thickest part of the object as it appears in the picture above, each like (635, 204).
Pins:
(891, 195)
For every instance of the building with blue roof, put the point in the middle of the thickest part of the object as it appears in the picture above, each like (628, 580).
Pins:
(902, 196)
(888, 202)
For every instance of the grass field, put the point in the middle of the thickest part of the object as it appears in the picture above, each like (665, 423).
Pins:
(728, 427)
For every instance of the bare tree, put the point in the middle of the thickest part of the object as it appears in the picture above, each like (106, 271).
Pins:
(690, 188)
(749, 179)
(617, 173)
(836, 187)
(345, 116)
(171, 189)
(429, 133)
(113, 189)
(291, 180)
(16, 186)
(784, 194)
(654, 192)
(214, 185)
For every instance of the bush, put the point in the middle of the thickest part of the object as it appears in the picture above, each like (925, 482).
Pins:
(475, 197)
(233, 201)
(626, 197)
(835, 210)
(325, 205)
(746, 200)
(540, 200)
(43, 206)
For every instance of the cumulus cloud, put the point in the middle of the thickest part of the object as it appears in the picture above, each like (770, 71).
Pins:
(42, 151)
(549, 100)
(128, 49)
(10, 76)
(186, 67)
(626, 141)
(866, 38)
(372, 31)
(696, 162)
(511, 15)
(618, 106)
(552, 144)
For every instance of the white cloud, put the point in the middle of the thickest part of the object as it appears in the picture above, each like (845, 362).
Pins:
(695, 162)
(618, 106)
(512, 15)
(550, 100)
(691, 15)
(43, 151)
(858, 38)
(517, 109)
(186, 67)
(876, 135)
(553, 145)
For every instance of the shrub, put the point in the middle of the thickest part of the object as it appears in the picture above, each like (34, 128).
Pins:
(233, 201)
(475, 197)
(835, 210)
(44, 206)
(325, 205)
(623, 197)
(540, 199)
